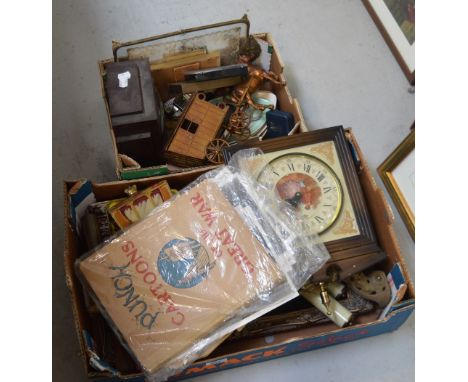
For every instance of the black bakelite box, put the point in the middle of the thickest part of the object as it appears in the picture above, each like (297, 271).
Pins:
(136, 110)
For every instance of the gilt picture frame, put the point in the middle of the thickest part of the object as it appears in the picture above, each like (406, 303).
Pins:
(396, 21)
(398, 175)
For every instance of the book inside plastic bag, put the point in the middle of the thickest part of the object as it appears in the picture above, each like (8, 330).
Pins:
(219, 254)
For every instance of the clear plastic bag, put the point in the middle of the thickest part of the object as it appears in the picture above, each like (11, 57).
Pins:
(221, 253)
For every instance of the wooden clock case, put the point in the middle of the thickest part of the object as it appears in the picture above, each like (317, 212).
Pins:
(348, 255)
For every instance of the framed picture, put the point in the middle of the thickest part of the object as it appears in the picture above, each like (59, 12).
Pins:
(395, 20)
(398, 174)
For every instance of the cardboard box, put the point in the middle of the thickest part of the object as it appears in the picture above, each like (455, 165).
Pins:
(285, 101)
(248, 350)
(93, 332)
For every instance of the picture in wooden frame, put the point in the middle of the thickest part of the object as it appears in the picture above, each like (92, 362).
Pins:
(396, 22)
(317, 169)
(398, 175)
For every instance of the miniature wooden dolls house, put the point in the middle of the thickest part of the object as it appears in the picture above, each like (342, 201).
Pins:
(197, 128)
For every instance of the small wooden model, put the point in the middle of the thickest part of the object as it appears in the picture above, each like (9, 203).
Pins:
(197, 128)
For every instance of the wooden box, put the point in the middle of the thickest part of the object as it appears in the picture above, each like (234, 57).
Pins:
(136, 111)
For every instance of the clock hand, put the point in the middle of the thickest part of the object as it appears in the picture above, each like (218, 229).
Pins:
(294, 201)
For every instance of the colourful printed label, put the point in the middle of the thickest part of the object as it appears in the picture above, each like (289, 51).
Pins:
(184, 263)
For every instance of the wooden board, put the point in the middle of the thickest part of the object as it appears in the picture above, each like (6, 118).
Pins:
(167, 72)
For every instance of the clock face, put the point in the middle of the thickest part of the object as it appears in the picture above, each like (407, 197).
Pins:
(308, 184)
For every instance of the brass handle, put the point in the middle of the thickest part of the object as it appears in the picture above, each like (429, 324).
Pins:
(325, 297)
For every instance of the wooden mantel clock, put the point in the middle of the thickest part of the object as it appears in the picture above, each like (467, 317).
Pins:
(315, 172)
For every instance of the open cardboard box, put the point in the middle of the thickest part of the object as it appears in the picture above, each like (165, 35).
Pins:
(285, 102)
(247, 350)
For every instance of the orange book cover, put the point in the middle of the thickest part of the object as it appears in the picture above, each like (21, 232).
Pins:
(179, 274)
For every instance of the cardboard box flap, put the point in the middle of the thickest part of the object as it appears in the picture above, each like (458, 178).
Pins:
(287, 102)
(71, 281)
(383, 222)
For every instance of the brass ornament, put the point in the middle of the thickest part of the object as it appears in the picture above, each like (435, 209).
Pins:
(239, 121)
(373, 287)
(214, 150)
(248, 52)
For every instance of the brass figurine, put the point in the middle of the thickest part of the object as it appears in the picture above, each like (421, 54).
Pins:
(249, 50)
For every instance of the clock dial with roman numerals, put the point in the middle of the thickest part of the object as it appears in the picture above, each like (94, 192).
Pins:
(308, 184)
(316, 172)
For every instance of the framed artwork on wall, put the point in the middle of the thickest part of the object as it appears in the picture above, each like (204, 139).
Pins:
(396, 21)
(398, 174)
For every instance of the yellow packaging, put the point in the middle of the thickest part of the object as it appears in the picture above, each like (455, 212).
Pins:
(140, 204)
